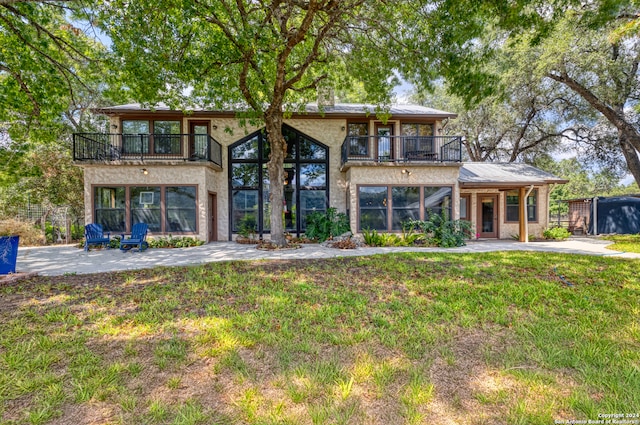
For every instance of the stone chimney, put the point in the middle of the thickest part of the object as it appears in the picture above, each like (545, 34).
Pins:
(326, 97)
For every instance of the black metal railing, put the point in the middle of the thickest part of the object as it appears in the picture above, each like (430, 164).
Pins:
(402, 148)
(116, 147)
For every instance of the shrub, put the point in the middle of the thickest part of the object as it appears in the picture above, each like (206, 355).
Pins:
(248, 226)
(439, 231)
(174, 242)
(557, 233)
(29, 234)
(322, 226)
(373, 238)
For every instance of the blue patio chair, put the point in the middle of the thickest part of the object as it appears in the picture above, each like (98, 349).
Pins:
(94, 235)
(138, 238)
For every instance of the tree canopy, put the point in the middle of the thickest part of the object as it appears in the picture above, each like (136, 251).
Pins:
(263, 59)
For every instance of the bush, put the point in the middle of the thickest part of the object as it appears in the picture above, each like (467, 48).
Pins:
(29, 234)
(322, 226)
(557, 233)
(247, 226)
(373, 238)
(174, 242)
(439, 231)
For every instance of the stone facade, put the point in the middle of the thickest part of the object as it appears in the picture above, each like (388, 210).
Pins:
(343, 181)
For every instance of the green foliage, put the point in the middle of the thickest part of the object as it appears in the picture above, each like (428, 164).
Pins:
(624, 243)
(438, 230)
(326, 225)
(373, 238)
(247, 226)
(393, 326)
(174, 242)
(558, 233)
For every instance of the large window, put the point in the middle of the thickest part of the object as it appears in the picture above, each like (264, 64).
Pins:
(109, 208)
(168, 209)
(180, 205)
(513, 206)
(388, 207)
(145, 206)
(358, 134)
(418, 139)
(306, 181)
(144, 136)
(437, 200)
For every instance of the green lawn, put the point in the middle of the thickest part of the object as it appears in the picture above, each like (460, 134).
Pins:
(498, 338)
(625, 243)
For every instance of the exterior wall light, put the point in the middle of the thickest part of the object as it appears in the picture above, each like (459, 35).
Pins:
(145, 171)
(405, 171)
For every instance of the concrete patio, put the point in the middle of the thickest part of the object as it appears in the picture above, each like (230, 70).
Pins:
(59, 260)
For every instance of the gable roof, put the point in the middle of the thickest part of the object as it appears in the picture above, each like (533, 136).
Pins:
(483, 174)
(349, 109)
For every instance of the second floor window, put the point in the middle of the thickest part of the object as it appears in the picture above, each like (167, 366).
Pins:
(144, 136)
(358, 134)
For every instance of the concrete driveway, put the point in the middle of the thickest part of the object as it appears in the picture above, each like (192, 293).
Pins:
(59, 260)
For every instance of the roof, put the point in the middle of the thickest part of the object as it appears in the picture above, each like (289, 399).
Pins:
(484, 174)
(312, 108)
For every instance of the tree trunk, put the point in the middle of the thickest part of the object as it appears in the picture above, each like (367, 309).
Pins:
(273, 123)
(630, 153)
(628, 135)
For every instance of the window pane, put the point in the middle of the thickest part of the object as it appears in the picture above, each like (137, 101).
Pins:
(373, 207)
(358, 129)
(513, 206)
(135, 137)
(358, 139)
(425, 130)
(145, 206)
(406, 205)
(245, 208)
(166, 127)
(311, 201)
(311, 150)
(181, 209)
(437, 200)
(246, 150)
(313, 175)
(244, 175)
(408, 130)
(463, 208)
(135, 127)
(109, 208)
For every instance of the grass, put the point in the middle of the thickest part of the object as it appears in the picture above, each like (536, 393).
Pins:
(400, 339)
(625, 243)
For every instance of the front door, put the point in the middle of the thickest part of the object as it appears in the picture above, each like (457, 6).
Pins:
(488, 215)
(212, 225)
(385, 142)
(198, 139)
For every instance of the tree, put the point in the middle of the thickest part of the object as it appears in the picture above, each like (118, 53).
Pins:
(47, 66)
(265, 58)
(577, 46)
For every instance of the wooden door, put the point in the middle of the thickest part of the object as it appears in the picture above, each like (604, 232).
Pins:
(488, 215)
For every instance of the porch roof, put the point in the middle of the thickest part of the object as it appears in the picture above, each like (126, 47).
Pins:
(481, 174)
(339, 109)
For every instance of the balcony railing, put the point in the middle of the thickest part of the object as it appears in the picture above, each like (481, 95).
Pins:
(117, 147)
(402, 148)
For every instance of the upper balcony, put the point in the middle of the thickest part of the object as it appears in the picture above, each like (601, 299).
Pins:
(146, 147)
(415, 149)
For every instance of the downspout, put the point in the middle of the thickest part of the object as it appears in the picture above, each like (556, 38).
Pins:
(526, 215)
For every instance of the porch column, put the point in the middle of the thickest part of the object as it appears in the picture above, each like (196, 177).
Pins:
(522, 216)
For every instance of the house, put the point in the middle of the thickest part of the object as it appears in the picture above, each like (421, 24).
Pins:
(203, 174)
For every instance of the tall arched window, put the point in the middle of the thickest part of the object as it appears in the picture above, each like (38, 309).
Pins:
(306, 185)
